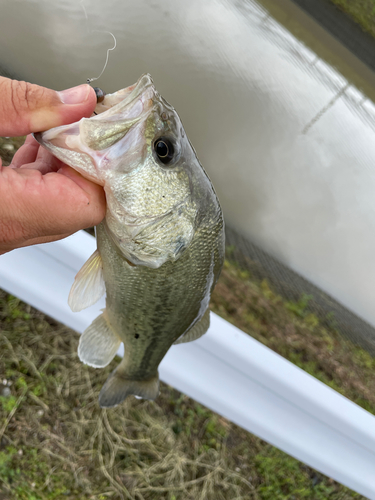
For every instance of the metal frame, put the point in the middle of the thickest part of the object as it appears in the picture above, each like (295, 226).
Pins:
(226, 370)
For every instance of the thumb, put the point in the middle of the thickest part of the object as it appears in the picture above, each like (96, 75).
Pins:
(27, 108)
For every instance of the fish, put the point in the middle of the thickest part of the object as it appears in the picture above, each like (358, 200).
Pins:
(160, 247)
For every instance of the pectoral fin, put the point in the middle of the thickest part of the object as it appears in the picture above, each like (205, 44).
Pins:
(99, 343)
(197, 331)
(88, 284)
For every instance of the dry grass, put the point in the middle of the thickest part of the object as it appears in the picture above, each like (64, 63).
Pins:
(135, 451)
(361, 11)
(290, 330)
(55, 441)
(8, 146)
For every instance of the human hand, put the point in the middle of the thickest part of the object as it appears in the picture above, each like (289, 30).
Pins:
(41, 199)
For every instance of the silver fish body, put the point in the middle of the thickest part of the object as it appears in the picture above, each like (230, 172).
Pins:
(161, 244)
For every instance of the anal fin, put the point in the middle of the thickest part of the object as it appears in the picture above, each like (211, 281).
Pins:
(99, 343)
(88, 284)
(197, 331)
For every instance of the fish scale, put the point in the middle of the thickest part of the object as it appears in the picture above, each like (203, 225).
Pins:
(164, 302)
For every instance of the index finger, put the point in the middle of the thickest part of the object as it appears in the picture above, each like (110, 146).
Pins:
(27, 152)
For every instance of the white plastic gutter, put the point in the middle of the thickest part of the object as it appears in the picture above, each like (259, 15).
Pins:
(226, 370)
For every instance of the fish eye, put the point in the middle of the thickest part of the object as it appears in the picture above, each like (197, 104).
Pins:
(164, 149)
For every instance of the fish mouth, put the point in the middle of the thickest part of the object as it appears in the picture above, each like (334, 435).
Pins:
(122, 98)
(93, 145)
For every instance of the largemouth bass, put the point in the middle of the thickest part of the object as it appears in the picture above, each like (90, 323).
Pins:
(160, 248)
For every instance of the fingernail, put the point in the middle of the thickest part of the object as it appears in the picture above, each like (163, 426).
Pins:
(75, 95)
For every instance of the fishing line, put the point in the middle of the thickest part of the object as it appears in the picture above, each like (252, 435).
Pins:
(86, 16)
(89, 80)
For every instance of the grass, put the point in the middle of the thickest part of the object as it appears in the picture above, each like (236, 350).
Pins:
(8, 146)
(56, 443)
(361, 11)
(292, 331)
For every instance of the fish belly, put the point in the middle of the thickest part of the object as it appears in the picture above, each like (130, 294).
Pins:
(149, 309)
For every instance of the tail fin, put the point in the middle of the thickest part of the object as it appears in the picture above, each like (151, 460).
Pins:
(117, 388)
